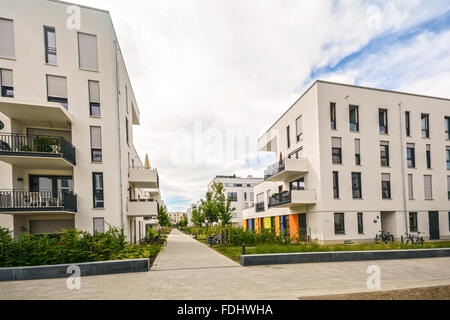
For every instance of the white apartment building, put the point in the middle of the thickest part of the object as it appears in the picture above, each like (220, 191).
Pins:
(353, 161)
(240, 191)
(67, 111)
(176, 217)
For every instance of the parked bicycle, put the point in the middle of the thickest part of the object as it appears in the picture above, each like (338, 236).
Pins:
(215, 239)
(414, 239)
(158, 240)
(385, 237)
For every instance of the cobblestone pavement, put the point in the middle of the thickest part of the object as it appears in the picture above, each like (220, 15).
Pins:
(188, 269)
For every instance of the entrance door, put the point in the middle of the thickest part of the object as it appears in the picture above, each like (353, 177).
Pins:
(302, 226)
(433, 218)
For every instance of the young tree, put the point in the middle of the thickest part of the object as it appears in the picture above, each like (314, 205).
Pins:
(208, 208)
(163, 218)
(183, 222)
(222, 204)
(198, 219)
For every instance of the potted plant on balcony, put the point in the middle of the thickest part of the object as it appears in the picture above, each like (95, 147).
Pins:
(46, 144)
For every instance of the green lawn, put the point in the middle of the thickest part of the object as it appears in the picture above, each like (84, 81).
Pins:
(234, 252)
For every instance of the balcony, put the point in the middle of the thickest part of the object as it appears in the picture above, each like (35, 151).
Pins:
(48, 114)
(289, 199)
(144, 178)
(143, 208)
(286, 170)
(20, 202)
(259, 207)
(36, 152)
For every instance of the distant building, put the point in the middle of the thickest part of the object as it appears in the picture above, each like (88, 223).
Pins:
(176, 217)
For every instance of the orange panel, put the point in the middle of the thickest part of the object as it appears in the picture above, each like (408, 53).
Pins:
(245, 224)
(257, 226)
(278, 225)
(293, 226)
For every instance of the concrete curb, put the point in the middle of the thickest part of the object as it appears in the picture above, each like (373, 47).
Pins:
(86, 269)
(340, 256)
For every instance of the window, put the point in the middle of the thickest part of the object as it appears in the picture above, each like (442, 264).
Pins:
(299, 128)
(99, 225)
(336, 150)
(333, 115)
(447, 127)
(336, 184)
(386, 185)
(384, 153)
(297, 185)
(7, 38)
(94, 98)
(383, 120)
(448, 187)
(407, 124)
(354, 118)
(358, 152)
(288, 135)
(96, 144)
(245, 196)
(428, 155)
(410, 155)
(6, 80)
(126, 131)
(448, 158)
(413, 222)
(425, 125)
(232, 196)
(339, 223)
(360, 223)
(87, 51)
(356, 185)
(57, 90)
(50, 45)
(410, 187)
(428, 187)
(97, 185)
(126, 99)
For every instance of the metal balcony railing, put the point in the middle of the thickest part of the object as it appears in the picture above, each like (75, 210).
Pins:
(37, 145)
(280, 199)
(20, 200)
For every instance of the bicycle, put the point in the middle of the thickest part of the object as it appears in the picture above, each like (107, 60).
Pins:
(214, 239)
(385, 237)
(414, 239)
(158, 240)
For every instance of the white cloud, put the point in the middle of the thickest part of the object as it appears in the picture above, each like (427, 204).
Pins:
(238, 64)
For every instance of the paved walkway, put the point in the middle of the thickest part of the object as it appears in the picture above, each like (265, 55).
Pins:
(187, 269)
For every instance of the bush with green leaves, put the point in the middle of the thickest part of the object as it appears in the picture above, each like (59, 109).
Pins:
(71, 246)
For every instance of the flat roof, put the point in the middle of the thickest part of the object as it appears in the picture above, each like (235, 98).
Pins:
(352, 86)
(79, 5)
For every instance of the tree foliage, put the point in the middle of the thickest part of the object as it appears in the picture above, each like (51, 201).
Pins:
(216, 207)
(163, 218)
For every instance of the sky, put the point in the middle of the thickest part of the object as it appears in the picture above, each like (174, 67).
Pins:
(211, 76)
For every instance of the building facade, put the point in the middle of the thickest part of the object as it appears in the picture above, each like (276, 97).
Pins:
(240, 191)
(67, 110)
(355, 161)
(176, 217)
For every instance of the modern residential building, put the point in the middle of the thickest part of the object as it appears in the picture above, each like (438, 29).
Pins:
(355, 161)
(189, 214)
(240, 191)
(176, 217)
(67, 111)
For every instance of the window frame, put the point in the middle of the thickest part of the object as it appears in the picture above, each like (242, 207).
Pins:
(288, 136)
(384, 160)
(336, 184)
(103, 224)
(48, 50)
(354, 127)
(413, 222)
(358, 177)
(6, 91)
(386, 187)
(428, 155)
(360, 220)
(412, 158)
(96, 149)
(93, 104)
(340, 220)
(425, 125)
(383, 123)
(408, 123)
(447, 127)
(431, 186)
(299, 131)
(101, 192)
(333, 122)
(358, 154)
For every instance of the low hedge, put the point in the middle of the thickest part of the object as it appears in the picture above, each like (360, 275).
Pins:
(71, 246)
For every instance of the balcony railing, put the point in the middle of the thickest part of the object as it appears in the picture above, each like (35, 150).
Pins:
(275, 169)
(259, 207)
(37, 145)
(280, 199)
(20, 200)
(147, 200)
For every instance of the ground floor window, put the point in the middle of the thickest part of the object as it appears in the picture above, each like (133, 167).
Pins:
(360, 223)
(339, 225)
(99, 225)
(413, 222)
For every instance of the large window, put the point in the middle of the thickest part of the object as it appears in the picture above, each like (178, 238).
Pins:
(383, 120)
(87, 51)
(354, 118)
(97, 186)
(410, 155)
(50, 45)
(99, 225)
(336, 150)
(425, 118)
(96, 144)
(6, 81)
(447, 127)
(7, 48)
(386, 185)
(356, 185)
(57, 90)
(413, 222)
(232, 196)
(333, 115)
(407, 124)
(428, 187)
(336, 184)
(360, 223)
(339, 223)
(299, 123)
(94, 98)
(428, 155)
(384, 153)
(358, 152)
